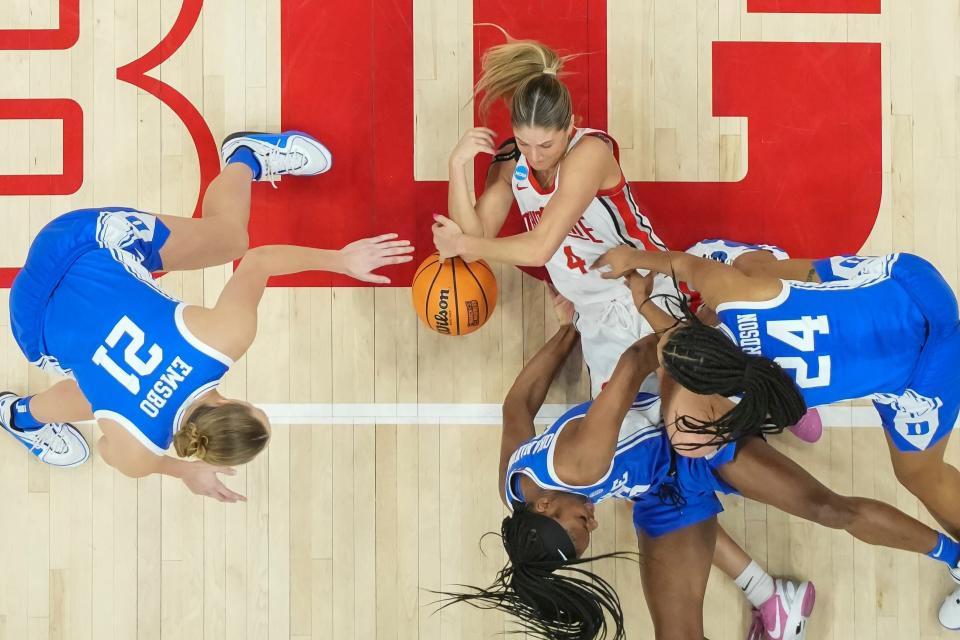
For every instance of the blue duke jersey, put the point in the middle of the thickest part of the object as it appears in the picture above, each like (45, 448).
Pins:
(642, 456)
(126, 343)
(839, 339)
(668, 492)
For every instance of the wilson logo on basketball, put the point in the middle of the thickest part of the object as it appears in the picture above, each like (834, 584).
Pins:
(442, 318)
(454, 297)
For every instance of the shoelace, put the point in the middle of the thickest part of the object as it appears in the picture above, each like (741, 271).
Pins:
(757, 629)
(50, 437)
(278, 162)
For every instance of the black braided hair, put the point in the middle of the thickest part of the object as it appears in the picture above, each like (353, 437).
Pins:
(704, 360)
(548, 604)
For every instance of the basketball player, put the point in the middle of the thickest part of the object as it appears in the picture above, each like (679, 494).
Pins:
(144, 365)
(570, 222)
(613, 448)
(845, 327)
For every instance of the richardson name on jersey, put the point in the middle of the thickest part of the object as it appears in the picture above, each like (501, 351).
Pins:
(748, 333)
(164, 387)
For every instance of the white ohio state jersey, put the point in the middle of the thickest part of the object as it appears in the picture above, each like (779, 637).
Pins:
(611, 219)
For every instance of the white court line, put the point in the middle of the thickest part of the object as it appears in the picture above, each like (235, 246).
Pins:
(479, 414)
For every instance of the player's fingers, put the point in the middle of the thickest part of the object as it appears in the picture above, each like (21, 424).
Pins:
(397, 260)
(233, 495)
(395, 243)
(602, 261)
(375, 278)
(227, 471)
(382, 238)
(397, 251)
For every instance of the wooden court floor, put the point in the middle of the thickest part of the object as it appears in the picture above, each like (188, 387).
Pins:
(353, 518)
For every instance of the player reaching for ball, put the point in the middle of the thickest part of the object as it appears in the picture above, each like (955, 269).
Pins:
(144, 365)
(570, 222)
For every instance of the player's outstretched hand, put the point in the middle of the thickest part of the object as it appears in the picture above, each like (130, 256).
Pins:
(474, 141)
(446, 234)
(202, 480)
(363, 257)
(617, 262)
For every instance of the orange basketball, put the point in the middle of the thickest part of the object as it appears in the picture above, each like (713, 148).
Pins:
(454, 297)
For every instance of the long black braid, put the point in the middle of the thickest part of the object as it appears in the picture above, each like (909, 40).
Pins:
(549, 605)
(704, 360)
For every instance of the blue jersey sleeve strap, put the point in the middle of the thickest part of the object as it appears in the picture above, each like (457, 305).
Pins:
(131, 428)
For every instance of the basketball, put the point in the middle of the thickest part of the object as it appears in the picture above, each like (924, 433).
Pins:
(454, 297)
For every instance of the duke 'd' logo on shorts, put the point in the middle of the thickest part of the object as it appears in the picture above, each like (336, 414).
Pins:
(442, 317)
(521, 173)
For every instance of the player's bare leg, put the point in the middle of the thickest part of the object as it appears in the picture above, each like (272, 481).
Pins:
(220, 235)
(674, 570)
(63, 402)
(932, 480)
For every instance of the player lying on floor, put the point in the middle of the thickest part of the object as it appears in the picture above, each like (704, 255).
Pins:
(613, 447)
(815, 332)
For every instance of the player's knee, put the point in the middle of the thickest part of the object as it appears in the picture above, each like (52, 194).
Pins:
(833, 511)
(237, 241)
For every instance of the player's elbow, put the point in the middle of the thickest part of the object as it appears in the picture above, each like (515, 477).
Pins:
(540, 256)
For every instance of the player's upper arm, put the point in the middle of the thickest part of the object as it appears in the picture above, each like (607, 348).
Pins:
(517, 428)
(495, 202)
(719, 283)
(583, 173)
(231, 325)
(121, 451)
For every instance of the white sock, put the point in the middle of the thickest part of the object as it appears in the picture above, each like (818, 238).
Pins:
(756, 584)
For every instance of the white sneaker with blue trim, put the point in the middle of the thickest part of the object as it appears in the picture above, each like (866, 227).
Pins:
(291, 153)
(58, 444)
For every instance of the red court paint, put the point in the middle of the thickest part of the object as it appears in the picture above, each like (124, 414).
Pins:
(63, 37)
(813, 184)
(813, 6)
(135, 73)
(813, 109)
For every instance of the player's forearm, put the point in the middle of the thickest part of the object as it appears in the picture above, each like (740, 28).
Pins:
(534, 381)
(527, 249)
(282, 259)
(460, 202)
(682, 265)
(659, 319)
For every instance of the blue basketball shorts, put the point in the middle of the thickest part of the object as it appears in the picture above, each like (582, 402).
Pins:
(140, 236)
(928, 409)
(696, 487)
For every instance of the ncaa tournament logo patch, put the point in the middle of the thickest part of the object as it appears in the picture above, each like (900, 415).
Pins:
(521, 173)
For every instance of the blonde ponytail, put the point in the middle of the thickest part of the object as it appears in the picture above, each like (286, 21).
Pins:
(223, 434)
(527, 74)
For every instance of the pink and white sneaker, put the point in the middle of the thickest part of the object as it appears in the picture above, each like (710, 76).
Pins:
(784, 615)
(809, 428)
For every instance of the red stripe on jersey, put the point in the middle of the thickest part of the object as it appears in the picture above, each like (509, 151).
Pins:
(629, 217)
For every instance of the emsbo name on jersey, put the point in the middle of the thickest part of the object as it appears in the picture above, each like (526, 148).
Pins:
(164, 387)
(521, 173)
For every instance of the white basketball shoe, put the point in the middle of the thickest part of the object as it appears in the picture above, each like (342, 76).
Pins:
(58, 444)
(291, 153)
(784, 615)
(950, 609)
